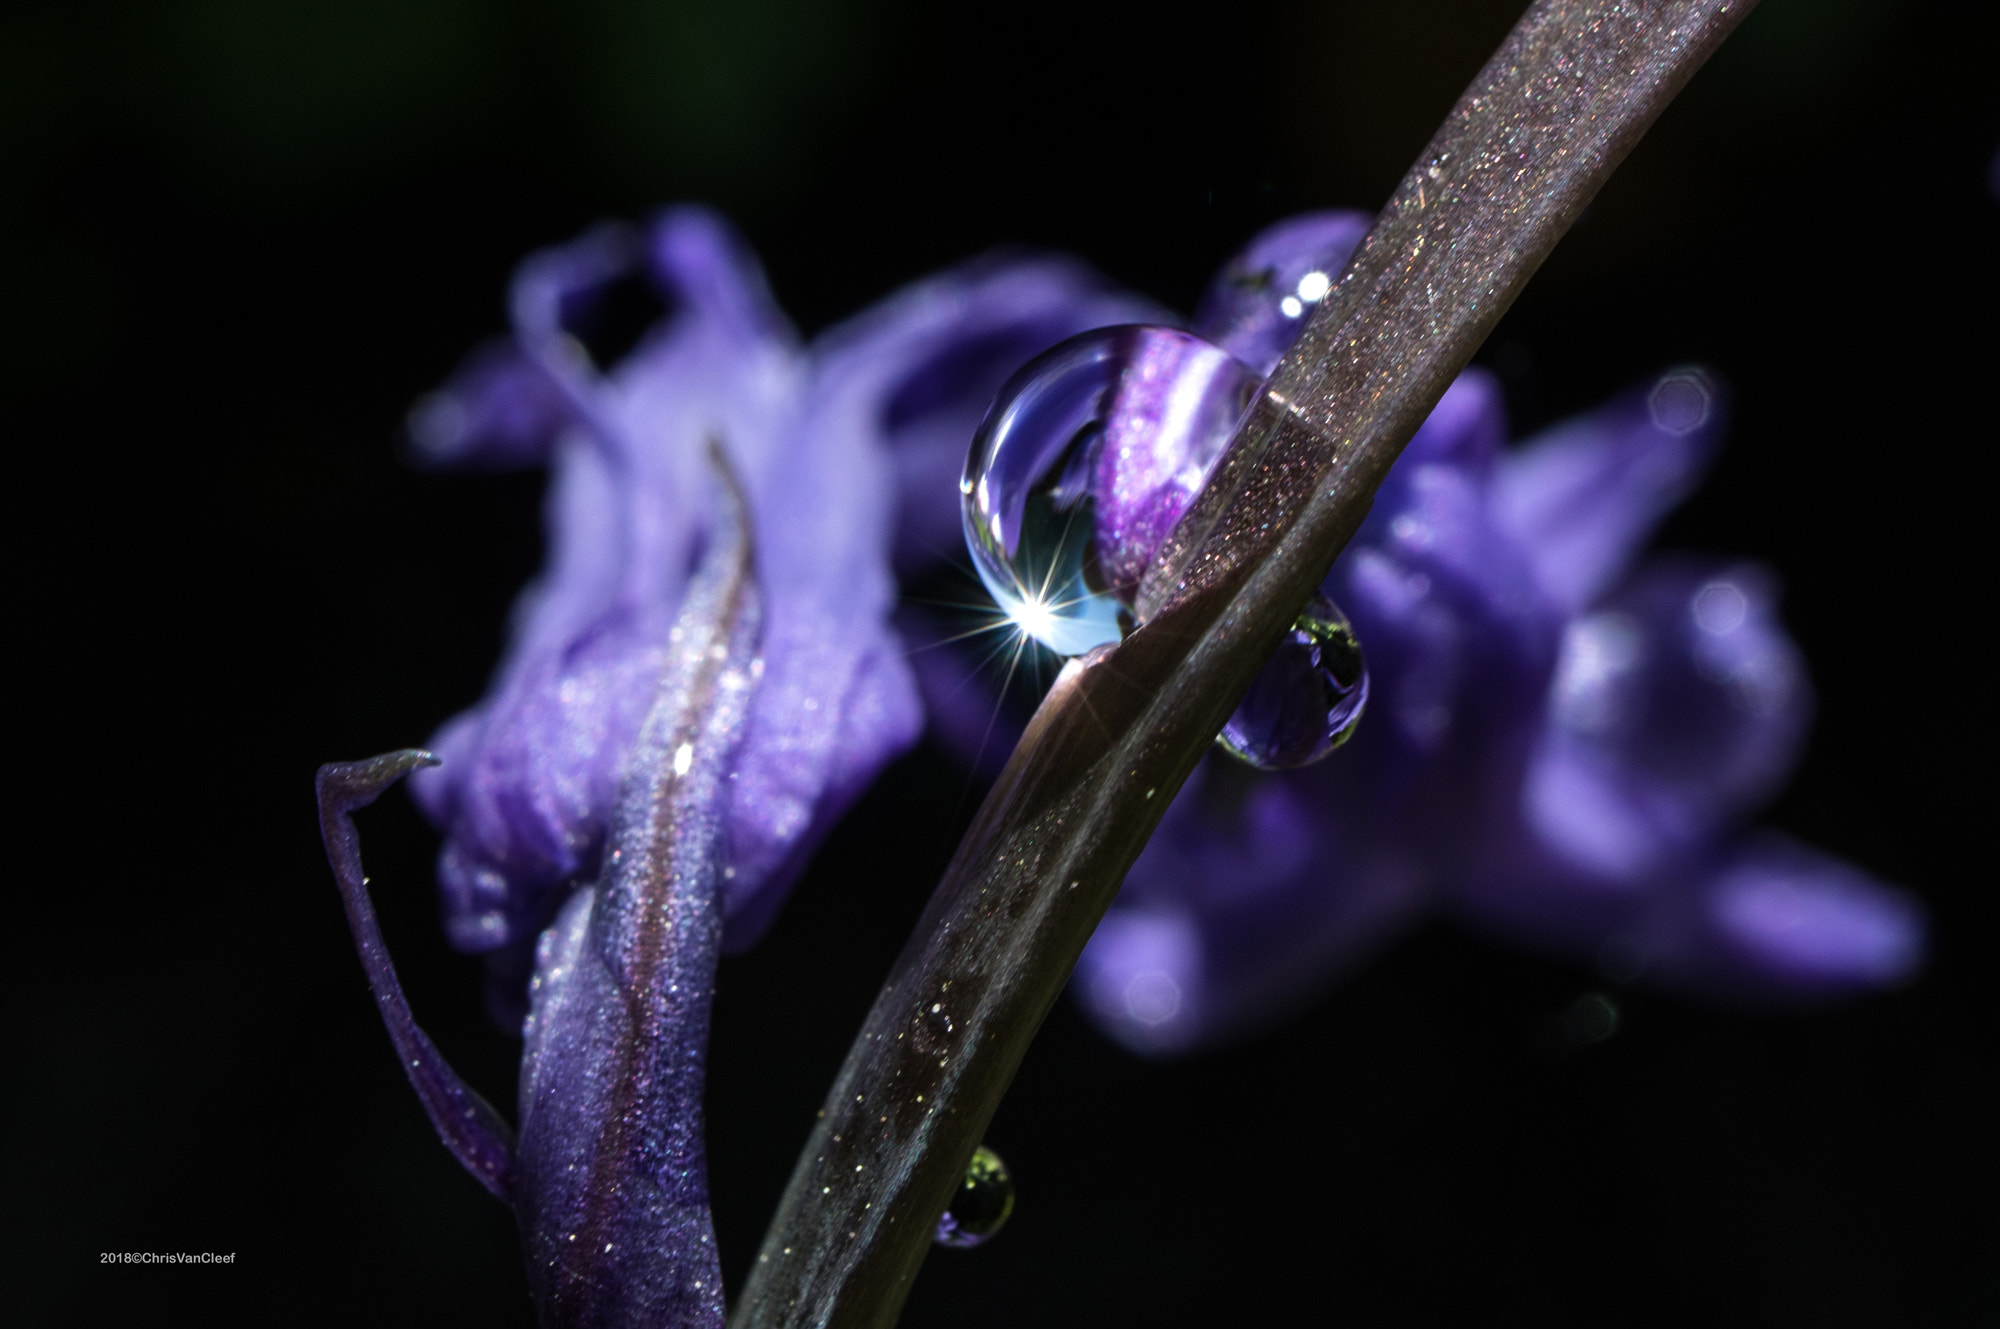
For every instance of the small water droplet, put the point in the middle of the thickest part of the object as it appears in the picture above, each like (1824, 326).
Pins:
(1307, 700)
(980, 1205)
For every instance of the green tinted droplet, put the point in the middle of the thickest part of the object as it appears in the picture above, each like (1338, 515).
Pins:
(980, 1205)
(1308, 697)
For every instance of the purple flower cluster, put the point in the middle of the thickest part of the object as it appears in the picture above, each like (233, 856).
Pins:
(696, 687)
(1562, 743)
(1562, 746)
(1564, 739)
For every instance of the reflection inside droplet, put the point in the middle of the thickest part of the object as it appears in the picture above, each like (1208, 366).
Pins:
(981, 1204)
(1086, 459)
(1077, 476)
(1307, 699)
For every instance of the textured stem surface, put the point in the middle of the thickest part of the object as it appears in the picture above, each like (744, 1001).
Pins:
(1543, 125)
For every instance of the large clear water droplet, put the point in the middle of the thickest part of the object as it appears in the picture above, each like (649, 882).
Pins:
(1307, 700)
(980, 1205)
(1086, 460)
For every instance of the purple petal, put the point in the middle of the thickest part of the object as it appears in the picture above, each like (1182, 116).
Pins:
(1792, 919)
(1767, 921)
(928, 360)
(533, 770)
(1258, 890)
(1257, 306)
(1457, 636)
(613, 1192)
(1167, 422)
(1251, 898)
(1676, 708)
(1467, 428)
(1583, 498)
(551, 285)
(697, 255)
(498, 410)
(527, 810)
(476, 1135)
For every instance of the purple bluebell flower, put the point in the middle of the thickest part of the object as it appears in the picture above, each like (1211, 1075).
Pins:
(1564, 739)
(701, 680)
(607, 1176)
(826, 436)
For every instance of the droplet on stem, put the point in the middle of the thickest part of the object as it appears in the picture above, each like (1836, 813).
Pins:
(980, 1205)
(1307, 699)
(1086, 460)
(1077, 475)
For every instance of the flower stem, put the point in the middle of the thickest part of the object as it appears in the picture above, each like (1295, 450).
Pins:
(1541, 128)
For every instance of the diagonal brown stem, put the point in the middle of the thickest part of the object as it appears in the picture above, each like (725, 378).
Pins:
(1543, 125)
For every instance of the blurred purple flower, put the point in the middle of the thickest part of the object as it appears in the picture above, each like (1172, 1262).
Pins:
(1562, 746)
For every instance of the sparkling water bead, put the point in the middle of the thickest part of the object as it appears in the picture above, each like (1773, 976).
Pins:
(1307, 699)
(1084, 463)
(980, 1205)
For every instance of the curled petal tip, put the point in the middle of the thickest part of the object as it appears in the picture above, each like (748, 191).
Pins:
(356, 784)
(468, 1125)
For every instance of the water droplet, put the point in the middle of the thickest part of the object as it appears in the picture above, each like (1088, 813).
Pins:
(1307, 700)
(981, 1204)
(1086, 460)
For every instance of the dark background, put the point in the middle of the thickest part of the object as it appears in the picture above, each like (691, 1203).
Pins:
(241, 237)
